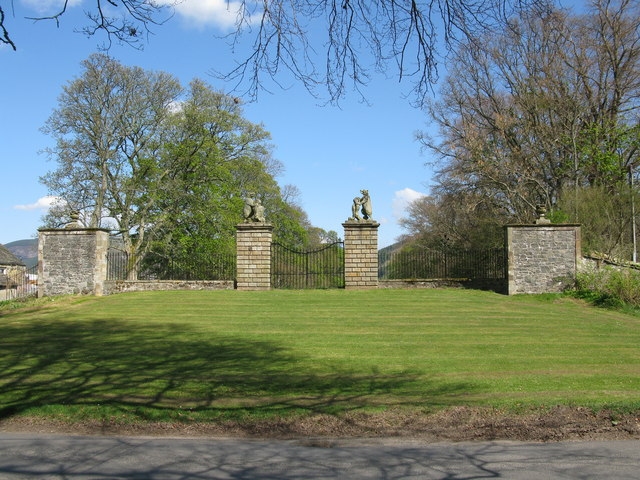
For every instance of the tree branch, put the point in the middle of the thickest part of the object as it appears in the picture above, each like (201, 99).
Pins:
(4, 34)
(137, 17)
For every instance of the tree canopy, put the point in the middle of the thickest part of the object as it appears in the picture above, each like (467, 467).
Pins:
(164, 167)
(545, 113)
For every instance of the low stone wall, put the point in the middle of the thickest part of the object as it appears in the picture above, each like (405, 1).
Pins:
(592, 262)
(418, 283)
(498, 286)
(541, 259)
(123, 286)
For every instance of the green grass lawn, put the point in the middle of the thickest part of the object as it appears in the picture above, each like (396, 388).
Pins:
(203, 356)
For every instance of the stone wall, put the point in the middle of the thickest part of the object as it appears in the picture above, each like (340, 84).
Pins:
(541, 258)
(497, 285)
(360, 254)
(253, 256)
(124, 286)
(72, 261)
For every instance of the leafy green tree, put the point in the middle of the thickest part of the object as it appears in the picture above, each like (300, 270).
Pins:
(166, 169)
(605, 204)
(608, 153)
(209, 155)
(107, 129)
(606, 219)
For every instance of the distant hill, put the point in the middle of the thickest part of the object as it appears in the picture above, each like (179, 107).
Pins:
(393, 248)
(25, 250)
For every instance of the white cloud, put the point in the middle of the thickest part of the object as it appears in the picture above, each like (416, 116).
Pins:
(402, 199)
(43, 203)
(175, 106)
(201, 13)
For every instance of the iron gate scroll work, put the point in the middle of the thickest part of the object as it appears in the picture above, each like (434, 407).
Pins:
(296, 269)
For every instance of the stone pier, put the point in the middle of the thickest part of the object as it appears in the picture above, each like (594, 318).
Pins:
(542, 258)
(360, 254)
(253, 244)
(72, 260)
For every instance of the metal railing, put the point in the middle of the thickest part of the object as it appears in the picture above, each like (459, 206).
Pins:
(320, 268)
(120, 266)
(18, 282)
(478, 264)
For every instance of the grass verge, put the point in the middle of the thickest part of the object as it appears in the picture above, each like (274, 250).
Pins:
(247, 356)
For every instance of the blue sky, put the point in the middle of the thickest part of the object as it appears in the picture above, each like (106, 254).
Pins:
(329, 153)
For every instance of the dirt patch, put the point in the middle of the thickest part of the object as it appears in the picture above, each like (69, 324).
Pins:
(455, 424)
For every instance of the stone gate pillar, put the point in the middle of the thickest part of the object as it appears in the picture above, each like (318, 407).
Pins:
(360, 254)
(542, 258)
(72, 260)
(253, 262)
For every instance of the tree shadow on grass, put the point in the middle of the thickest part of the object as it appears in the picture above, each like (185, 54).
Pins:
(163, 372)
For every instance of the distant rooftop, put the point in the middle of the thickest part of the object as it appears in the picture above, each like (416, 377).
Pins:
(7, 258)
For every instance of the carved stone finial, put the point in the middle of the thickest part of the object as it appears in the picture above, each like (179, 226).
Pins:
(253, 209)
(258, 212)
(541, 211)
(361, 205)
(74, 215)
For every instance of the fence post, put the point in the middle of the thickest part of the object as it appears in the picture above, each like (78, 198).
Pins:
(253, 261)
(360, 254)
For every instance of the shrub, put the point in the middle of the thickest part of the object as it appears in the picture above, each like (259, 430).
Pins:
(610, 286)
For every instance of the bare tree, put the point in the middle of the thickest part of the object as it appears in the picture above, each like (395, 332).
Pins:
(544, 110)
(123, 21)
(330, 45)
(541, 108)
(447, 220)
(4, 34)
(358, 38)
(108, 129)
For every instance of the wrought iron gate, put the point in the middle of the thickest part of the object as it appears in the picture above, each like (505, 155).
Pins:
(320, 268)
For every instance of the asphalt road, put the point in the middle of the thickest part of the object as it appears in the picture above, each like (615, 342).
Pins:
(39, 457)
